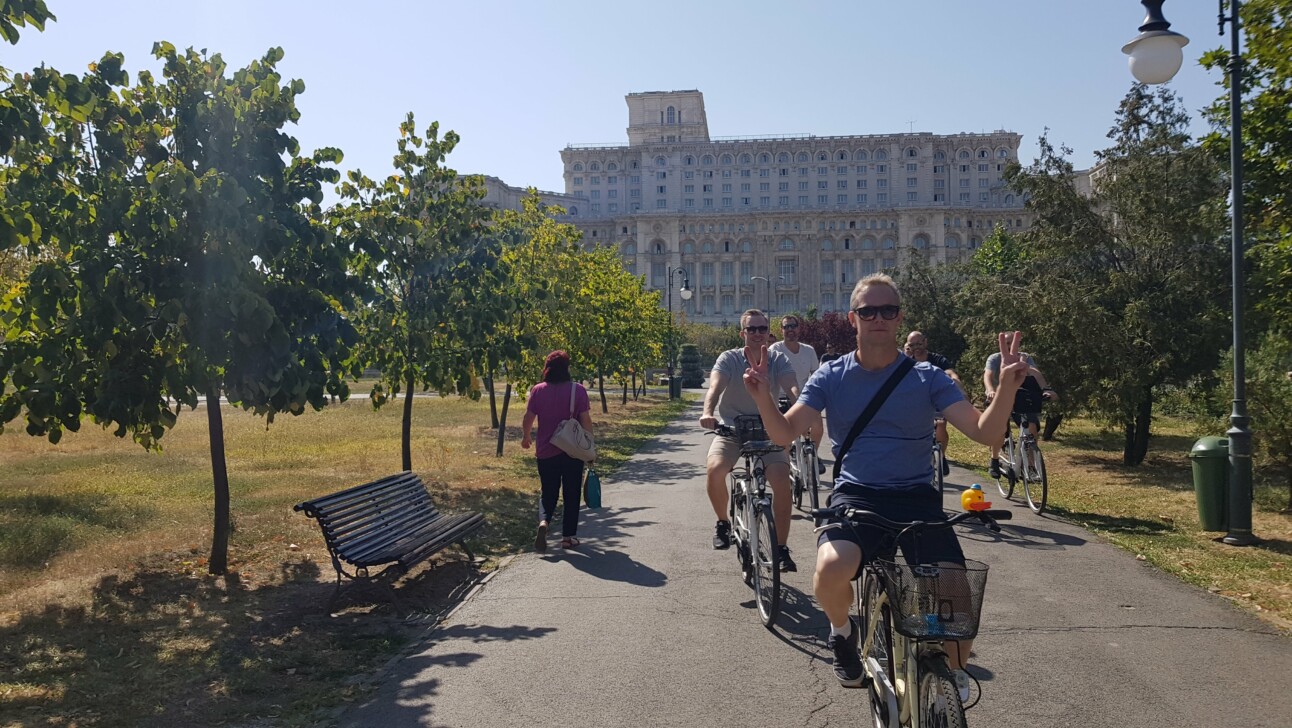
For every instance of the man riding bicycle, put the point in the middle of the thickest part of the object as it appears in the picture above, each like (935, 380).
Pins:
(728, 397)
(1027, 402)
(887, 468)
(917, 347)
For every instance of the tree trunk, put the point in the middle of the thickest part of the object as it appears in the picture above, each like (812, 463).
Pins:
(634, 387)
(493, 398)
(406, 437)
(1052, 423)
(219, 562)
(601, 386)
(502, 421)
(625, 399)
(1289, 508)
(1137, 431)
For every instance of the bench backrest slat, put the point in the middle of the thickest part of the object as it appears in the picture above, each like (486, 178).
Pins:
(339, 499)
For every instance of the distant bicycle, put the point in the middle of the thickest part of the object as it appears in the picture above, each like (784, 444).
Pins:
(804, 471)
(753, 528)
(906, 611)
(1021, 460)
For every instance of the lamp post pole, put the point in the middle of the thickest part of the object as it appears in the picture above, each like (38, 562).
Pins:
(768, 281)
(672, 334)
(1155, 57)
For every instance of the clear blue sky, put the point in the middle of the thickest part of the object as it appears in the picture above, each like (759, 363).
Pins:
(519, 80)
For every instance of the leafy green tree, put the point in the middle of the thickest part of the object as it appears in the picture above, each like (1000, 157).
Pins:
(1267, 150)
(1269, 400)
(192, 263)
(1122, 292)
(15, 14)
(425, 246)
(929, 302)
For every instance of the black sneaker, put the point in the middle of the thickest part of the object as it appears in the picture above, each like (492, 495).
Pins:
(787, 563)
(946, 468)
(820, 467)
(847, 660)
(994, 469)
(722, 535)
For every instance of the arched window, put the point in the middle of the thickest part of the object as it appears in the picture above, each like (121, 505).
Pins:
(746, 247)
(921, 242)
(671, 116)
(822, 157)
(841, 156)
(787, 244)
(659, 248)
(861, 155)
(1009, 199)
(660, 161)
(803, 156)
(964, 154)
(939, 155)
(706, 160)
(1002, 153)
(594, 167)
(689, 160)
(828, 244)
(847, 243)
(573, 210)
(881, 154)
(612, 167)
(688, 248)
(867, 243)
(726, 246)
(912, 152)
(982, 153)
(782, 158)
(764, 158)
(974, 243)
(746, 159)
(953, 241)
(706, 246)
(630, 249)
(889, 244)
(726, 159)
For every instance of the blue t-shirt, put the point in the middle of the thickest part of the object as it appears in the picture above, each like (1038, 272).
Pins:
(894, 449)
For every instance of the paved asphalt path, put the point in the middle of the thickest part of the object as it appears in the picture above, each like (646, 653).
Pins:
(646, 625)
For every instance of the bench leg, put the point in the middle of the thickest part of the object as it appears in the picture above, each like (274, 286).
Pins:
(331, 604)
(467, 551)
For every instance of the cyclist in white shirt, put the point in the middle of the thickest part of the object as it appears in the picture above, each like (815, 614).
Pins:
(804, 360)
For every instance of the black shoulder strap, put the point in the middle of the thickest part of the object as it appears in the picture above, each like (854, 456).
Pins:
(869, 413)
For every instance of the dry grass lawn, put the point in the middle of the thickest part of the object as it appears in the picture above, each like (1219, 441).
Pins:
(107, 615)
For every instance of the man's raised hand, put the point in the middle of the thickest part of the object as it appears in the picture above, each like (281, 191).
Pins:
(756, 378)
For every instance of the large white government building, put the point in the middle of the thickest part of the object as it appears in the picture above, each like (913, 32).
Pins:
(782, 223)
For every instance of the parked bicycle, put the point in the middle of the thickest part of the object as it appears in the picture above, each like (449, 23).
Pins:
(753, 528)
(906, 611)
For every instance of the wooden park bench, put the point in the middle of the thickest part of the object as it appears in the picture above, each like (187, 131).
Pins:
(389, 522)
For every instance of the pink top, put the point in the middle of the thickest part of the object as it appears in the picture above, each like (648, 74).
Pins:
(551, 404)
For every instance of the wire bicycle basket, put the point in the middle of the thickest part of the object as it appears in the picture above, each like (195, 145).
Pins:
(942, 601)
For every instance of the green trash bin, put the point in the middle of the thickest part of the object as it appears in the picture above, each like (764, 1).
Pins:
(1210, 456)
(675, 387)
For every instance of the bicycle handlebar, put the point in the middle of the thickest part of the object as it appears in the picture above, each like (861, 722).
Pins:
(988, 517)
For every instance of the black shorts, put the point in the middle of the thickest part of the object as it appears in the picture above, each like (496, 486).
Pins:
(1023, 418)
(920, 503)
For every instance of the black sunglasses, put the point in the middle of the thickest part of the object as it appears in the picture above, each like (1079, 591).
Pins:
(868, 313)
(789, 326)
(757, 329)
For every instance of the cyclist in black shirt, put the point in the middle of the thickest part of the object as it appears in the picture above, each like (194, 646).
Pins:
(917, 347)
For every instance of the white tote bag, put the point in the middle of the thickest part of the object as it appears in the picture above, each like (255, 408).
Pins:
(572, 438)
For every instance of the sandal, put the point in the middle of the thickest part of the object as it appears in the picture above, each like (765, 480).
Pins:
(540, 540)
(569, 542)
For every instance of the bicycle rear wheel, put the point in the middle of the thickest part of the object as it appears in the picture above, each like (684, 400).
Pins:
(940, 705)
(1005, 483)
(812, 481)
(767, 563)
(1036, 486)
(797, 479)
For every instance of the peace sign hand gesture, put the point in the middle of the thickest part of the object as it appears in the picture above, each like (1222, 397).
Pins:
(757, 381)
(1013, 368)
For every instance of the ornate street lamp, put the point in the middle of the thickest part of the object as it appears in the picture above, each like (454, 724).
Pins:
(672, 335)
(1155, 56)
(768, 281)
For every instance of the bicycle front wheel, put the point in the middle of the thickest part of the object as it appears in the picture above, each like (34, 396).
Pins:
(1005, 483)
(878, 646)
(940, 705)
(812, 481)
(937, 467)
(767, 563)
(1035, 484)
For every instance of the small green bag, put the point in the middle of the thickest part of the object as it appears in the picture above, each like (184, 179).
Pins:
(592, 489)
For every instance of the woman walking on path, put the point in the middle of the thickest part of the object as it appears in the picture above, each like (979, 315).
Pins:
(560, 474)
